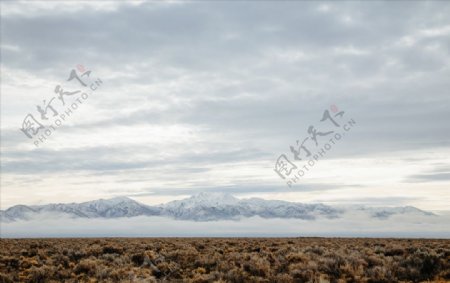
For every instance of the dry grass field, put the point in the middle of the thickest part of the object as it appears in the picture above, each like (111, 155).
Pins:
(224, 260)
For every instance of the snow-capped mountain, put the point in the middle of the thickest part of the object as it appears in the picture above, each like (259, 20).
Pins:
(204, 207)
(17, 212)
(200, 207)
(106, 208)
(110, 208)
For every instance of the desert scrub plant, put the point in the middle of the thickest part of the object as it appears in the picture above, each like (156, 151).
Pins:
(10, 262)
(112, 249)
(39, 274)
(86, 266)
(60, 259)
(138, 259)
(294, 257)
(94, 250)
(315, 250)
(332, 266)
(373, 261)
(257, 266)
(283, 278)
(76, 255)
(206, 262)
(235, 275)
(28, 262)
(395, 251)
(300, 273)
(102, 272)
(420, 266)
(229, 260)
(4, 278)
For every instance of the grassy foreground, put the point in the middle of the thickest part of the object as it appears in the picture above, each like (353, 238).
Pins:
(224, 260)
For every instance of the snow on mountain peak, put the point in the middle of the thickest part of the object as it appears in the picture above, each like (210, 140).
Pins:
(203, 200)
(202, 207)
(120, 199)
(213, 198)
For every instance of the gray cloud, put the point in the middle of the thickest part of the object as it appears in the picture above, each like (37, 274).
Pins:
(440, 173)
(374, 201)
(242, 189)
(438, 177)
(248, 78)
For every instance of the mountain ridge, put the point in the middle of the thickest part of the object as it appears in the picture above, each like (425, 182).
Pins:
(200, 207)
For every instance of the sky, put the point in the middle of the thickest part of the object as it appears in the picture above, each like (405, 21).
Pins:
(205, 96)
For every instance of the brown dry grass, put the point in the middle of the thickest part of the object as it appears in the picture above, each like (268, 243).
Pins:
(224, 260)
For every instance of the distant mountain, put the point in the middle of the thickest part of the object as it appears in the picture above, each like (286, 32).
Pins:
(200, 207)
(205, 206)
(110, 208)
(386, 212)
(17, 212)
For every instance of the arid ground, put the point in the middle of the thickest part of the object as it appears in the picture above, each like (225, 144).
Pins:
(224, 260)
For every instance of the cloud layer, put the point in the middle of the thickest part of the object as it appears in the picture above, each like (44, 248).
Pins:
(204, 96)
(350, 226)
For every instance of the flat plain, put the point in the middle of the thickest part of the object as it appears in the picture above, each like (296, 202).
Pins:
(224, 260)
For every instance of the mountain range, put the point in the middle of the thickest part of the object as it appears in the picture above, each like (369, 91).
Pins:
(201, 207)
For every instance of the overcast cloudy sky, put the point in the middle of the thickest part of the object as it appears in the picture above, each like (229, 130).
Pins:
(204, 96)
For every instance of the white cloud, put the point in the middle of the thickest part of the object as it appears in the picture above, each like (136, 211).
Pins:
(349, 226)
